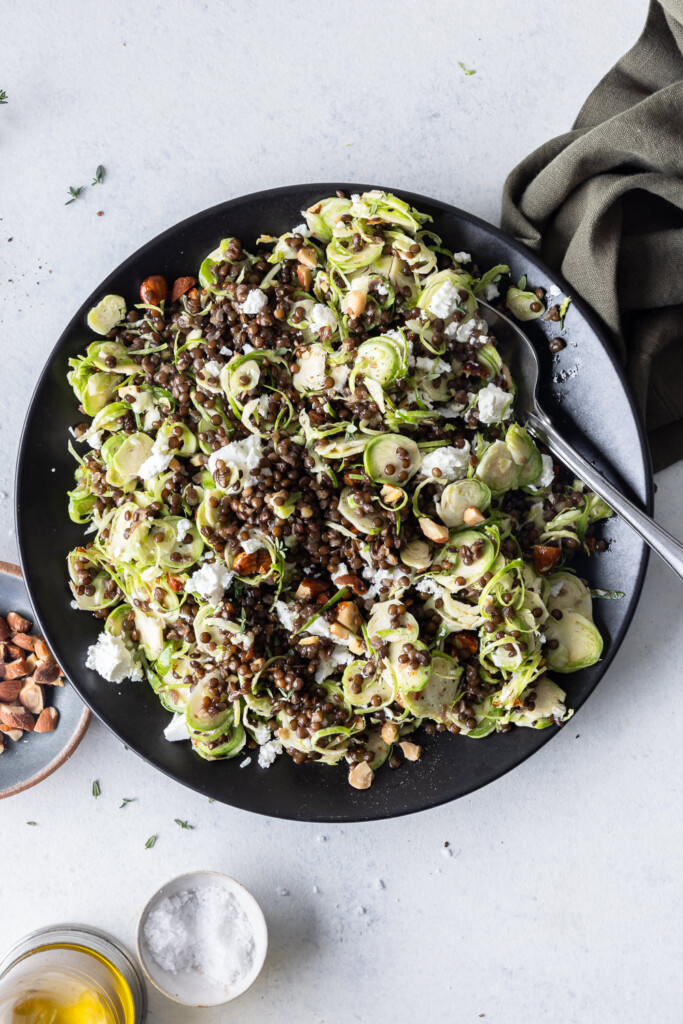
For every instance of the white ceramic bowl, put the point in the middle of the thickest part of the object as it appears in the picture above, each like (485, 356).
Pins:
(193, 989)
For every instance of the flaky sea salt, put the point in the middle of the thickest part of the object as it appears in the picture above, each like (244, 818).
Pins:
(202, 931)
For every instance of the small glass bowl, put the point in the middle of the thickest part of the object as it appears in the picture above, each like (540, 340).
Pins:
(195, 990)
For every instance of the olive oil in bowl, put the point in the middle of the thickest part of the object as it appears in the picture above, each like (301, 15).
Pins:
(70, 975)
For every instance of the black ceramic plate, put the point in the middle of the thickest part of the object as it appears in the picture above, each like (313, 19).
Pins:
(32, 758)
(584, 385)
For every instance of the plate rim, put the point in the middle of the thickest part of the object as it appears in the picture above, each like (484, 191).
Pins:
(10, 569)
(597, 328)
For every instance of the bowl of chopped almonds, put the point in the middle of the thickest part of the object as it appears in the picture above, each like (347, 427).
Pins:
(42, 721)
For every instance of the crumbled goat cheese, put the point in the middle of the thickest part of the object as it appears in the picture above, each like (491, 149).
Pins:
(311, 373)
(245, 762)
(268, 752)
(285, 614)
(250, 545)
(494, 404)
(462, 257)
(432, 365)
(452, 462)
(247, 348)
(490, 291)
(255, 301)
(359, 207)
(426, 585)
(320, 627)
(212, 368)
(94, 438)
(225, 351)
(377, 577)
(261, 734)
(177, 729)
(183, 527)
(381, 290)
(111, 659)
(244, 455)
(210, 581)
(157, 462)
(321, 316)
(554, 291)
(301, 229)
(331, 664)
(547, 475)
(445, 300)
(463, 332)
(556, 587)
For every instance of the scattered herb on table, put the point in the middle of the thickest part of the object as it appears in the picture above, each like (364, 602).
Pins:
(468, 71)
(150, 842)
(31, 822)
(96, 789)
(182, 824)
(99, 176)
(127, 800)
(74, 193)
(3, 96)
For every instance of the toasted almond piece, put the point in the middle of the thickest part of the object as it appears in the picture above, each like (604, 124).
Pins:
(435, 531)
(309, 589)
(5, 631)
(252, 564)
(305, 276)
(2, 670)
(356, 302)
(307, 641)
(472, 516)
(14, 734)
(341, 632)
(391, 494)
(307, 255)
(361, 776)
(32, 662)
(356, 645)
(12, 651)
(182, 285)
(16, 717)
(42, 651)
(23, 640)
(2, 745)
(411, 751)
(17, 623)
(389, 732)
(546, 558)
(47, 672)
(47, 720)
(9, 689)
(355, 583)
(16, 669)
(348, 615)
(154, 289)
(32, 696)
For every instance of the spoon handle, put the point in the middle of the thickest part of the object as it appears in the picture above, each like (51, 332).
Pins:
(666, 546)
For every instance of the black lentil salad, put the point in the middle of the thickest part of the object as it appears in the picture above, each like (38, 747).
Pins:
(315, 523)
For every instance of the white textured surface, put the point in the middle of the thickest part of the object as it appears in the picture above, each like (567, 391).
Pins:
(558, 903)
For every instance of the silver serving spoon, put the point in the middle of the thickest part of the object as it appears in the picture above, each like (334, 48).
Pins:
(520, 355)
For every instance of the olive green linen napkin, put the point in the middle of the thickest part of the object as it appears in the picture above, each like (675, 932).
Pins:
(603, 204)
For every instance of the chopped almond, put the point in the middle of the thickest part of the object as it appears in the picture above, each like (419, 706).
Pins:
(356, 645)
(17, 623)
(16, 669)
(435, 531)
(348, 615)
(391, 494)
(411, 751)
(355, 303)
(305, 277)
(472, 516)
(307, 256)
(12, 651)
(32, 696)
(361, 776)
(47, 720)
(23, 640)
(5, 631)
(389, 732)
(9, 689)
(14, 734)
(341, 632)
(16, 717)
(181, 285)
(309, 589)
(43, 652)
(546, 558)
(47, 672)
